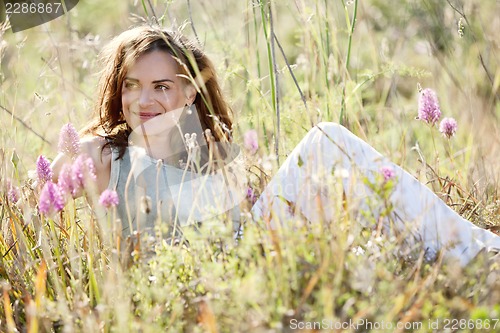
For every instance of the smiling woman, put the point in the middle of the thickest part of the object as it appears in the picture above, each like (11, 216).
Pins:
(161, 138)
(156, 67)
(152, 87)
(152, 81)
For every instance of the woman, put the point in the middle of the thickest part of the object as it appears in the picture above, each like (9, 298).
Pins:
(156, 87)
(161, 136)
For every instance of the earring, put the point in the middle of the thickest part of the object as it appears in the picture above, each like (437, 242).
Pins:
(189, 108)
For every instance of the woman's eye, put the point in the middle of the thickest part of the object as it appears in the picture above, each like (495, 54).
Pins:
(162, 87)
(130, 85)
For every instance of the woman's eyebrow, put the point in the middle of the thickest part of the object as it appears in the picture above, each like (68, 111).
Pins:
(163, 80)
(155, 81)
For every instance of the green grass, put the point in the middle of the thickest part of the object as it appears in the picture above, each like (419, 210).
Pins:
(62, 274)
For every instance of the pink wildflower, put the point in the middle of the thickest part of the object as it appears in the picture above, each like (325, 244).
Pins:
(109, 198)
(43, 170)
(388, 173)
(51, 199)
(65, 181)
(251, 196)
(448, 127)
(69, 141)
(12, 192)
(251, 142)
(83, 172)
(428, 107)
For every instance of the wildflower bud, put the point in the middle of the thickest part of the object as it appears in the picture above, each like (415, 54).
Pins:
(12, 193)
(43, 170)
(428, 106)
(191, 142)
(251, 196)
(448, 127)
(461, 27)
(109, 198)
(69, 141)
(83, 172)
(51, 199)
(388, 173)
(65, 181)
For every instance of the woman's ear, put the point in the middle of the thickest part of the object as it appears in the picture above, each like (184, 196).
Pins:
(190, 93)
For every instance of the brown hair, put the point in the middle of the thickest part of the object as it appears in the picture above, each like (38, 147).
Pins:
(108, 120)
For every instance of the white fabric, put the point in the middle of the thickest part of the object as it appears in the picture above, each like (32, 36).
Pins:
(330, 149)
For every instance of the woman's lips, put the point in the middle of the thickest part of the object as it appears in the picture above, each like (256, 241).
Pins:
(147, 115)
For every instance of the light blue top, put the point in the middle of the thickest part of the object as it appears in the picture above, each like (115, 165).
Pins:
(155, 194)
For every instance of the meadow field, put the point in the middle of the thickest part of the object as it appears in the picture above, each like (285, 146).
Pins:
(285, 65)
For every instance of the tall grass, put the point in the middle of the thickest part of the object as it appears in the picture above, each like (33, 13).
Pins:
(359, 62)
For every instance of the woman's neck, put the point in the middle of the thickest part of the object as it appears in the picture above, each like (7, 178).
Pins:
(157, 146)
(155, 135)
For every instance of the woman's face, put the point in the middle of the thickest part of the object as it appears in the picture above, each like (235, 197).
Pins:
(152, 88)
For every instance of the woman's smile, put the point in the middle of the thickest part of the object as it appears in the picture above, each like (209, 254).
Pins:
(148, 115)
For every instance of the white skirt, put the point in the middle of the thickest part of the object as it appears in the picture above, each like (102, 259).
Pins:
(329, 153)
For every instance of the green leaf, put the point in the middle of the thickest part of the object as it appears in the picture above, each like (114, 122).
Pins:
(300, 162)
(14, 159)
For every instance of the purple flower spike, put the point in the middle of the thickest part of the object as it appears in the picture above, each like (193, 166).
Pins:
(43, 170)
(251, 142)
(428, 107)
(388, 173)
(51, 199)
(448, 127)
(65, 181)
(109, 198)
(82, 173)
(13, 193)
(252, 197)
(69, 141)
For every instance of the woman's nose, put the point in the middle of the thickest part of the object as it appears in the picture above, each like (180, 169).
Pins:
(145, 99)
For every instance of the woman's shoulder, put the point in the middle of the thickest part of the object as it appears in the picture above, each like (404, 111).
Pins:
(98, 149)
